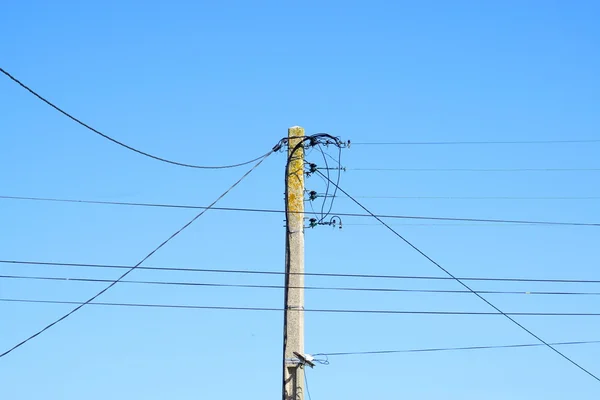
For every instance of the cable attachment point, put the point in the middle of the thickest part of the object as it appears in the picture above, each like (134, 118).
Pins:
(333, 222)
(279, 146)
(312, 168)
(312, 195)
(305, 359)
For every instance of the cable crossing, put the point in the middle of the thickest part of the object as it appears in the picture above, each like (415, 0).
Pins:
(132, 268)
(462, 283)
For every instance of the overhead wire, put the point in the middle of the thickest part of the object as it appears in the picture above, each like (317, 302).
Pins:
(449, 225)
(478, 142)
(274, 211)
(444, 349)
(142, 260)
(458, 280)
(475, 197)
(306, 385)
(327, 196)
(320, 288)
(339, 176)
(309, 310)
(316, 274)
(128, 147)
(473, 169)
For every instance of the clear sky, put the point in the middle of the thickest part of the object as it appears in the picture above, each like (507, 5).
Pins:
(220, 82)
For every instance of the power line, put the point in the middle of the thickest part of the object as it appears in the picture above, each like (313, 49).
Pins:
(306, 385)
(317, 274)
(324, 288)
(447, 272)
(447, 225)
(486, 142)
(273, 211)
(473, 169)
(130, 269)
(311, 310)
(439, 349)
(475, 197)
(123, 144)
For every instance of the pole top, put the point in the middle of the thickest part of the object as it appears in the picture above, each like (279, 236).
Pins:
(295, 132)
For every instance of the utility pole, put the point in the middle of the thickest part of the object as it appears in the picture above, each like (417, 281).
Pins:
(293, 336)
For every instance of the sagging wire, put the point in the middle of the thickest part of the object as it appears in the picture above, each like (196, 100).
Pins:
(124, 145)
(328, 180)
(328, 198)
(339, 161)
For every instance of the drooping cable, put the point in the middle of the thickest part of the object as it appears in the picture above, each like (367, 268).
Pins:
(128, 147)
(324, 215)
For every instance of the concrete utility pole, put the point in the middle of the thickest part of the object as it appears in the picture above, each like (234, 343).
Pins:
(293, 368)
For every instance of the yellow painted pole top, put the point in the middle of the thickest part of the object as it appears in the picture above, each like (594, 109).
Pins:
(296, 174)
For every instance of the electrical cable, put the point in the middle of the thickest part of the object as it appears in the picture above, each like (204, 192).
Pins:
(473, 169)
(441, 349)
(128, 271)
(318, 274)
(309, 310)
(326, 196)
(447, 272)
(476, 197)
(273, 211)
(322, 218)
(449, 225)
(324, 288)
(492, 142)
(60, 110)
(306, 385)
(339, 176)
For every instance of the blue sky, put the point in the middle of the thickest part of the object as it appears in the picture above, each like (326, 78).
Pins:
(220, 82)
